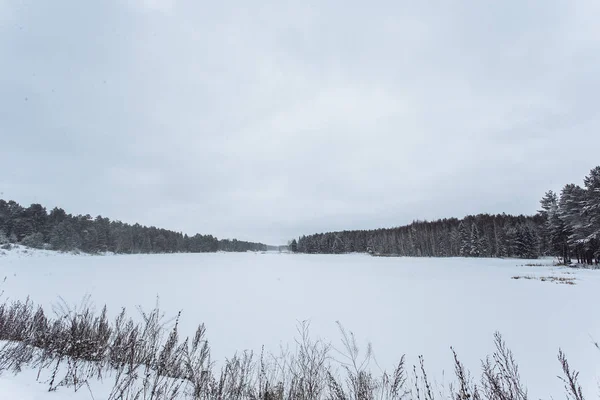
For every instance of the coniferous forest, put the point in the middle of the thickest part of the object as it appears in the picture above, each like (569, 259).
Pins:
(34, 227)
(567, 226)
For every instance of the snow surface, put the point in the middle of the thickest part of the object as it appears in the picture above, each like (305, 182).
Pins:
(401, 305)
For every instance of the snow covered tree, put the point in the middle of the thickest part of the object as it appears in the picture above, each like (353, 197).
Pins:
(549, 208)
(35, 240)
(475, 242)
(526, 242)
(499, 248)
(591, 203)
(571, 202)
(65, 237)
(338, 245)
(465, 240)
(559, 237)
(294, 246)
(37, 217)
(441, 238)
(454, 242)
(548, 203)
(67, 232)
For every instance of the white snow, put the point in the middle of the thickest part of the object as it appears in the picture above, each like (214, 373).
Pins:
(25, 387)
(401, 305)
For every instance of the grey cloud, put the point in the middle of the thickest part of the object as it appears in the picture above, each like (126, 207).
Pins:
(268, 120)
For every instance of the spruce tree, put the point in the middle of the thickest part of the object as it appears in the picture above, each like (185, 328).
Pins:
(465, 240)
(549, 208)
(475, 244)
(591, 203)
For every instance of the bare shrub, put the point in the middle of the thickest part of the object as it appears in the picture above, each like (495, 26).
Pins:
(465, 389)
(500, 378)
(146, 360)
(572, 387)
(556, 279)
(309, 365)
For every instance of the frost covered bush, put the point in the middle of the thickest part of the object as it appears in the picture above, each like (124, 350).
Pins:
(35, 241)
(148, 360)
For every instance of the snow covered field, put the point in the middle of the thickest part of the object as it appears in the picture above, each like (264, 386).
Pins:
(401, 305)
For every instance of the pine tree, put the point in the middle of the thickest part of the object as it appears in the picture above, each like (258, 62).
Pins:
(591, 203)
(559, 236)
(338, 245)
(66, 232)
(475, 241)
(571, 202)
(465, 240)
(484, 246)
(35, 240)
(497, 245)
(531, 243)
(294, 246)
(549, 208)
(455, 242)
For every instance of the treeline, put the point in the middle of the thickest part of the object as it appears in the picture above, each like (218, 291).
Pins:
(34, 227)
(481, 235)
(567, 226)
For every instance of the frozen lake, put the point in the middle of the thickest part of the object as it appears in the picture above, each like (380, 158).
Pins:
(406, 306)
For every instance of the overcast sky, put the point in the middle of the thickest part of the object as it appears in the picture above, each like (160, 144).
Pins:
(267, 120)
